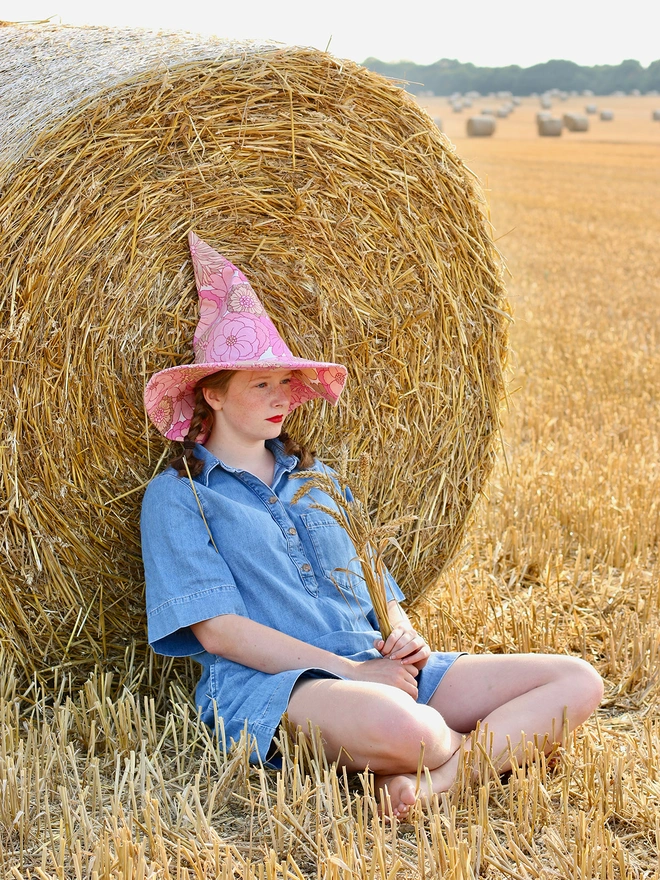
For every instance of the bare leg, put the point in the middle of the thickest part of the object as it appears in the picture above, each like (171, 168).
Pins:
(519, 697)
(364, 724)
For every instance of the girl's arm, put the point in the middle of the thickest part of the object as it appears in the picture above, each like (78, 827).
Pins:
(252, 644)
(404, 642)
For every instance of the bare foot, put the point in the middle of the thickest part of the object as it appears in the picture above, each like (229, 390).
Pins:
(403, 790)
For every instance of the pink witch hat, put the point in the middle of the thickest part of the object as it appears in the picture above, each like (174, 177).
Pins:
(234, 333)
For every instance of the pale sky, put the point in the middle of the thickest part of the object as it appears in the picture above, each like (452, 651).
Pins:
(487, 33)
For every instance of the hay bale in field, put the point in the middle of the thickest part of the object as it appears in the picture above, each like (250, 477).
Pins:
(437, 121)
(575, 122)
(543, 114)
(591, 109)
(656, 115)
(488, 111)
(551, 127)
(502, 112)
(546, 102)
(353, 218)
(480, 126)
(607, 115)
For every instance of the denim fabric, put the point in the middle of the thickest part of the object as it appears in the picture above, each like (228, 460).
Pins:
(276, 562)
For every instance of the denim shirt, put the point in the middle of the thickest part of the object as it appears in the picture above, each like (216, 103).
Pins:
(253, 553)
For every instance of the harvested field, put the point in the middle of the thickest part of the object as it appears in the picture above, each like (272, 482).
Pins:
(119, 781)
(632, 123)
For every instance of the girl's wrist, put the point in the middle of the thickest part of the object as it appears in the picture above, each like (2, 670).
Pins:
(347, 668)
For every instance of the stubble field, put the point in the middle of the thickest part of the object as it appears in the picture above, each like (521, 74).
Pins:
(562, 557)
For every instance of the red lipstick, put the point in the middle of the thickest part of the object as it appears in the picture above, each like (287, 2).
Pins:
(276, 419)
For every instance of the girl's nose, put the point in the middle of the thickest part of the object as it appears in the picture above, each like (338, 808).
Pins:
(283, 395)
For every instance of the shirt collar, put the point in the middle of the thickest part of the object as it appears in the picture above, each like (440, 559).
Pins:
(283, 463)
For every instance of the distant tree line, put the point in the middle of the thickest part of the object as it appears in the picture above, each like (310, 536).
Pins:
(447, 76)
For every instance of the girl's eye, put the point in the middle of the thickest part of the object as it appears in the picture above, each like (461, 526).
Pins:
(262, 384)
(286, 381)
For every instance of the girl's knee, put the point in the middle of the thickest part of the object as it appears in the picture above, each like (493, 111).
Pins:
(583, 685)
(401, 735)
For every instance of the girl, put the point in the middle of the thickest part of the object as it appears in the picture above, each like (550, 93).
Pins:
(265, 594)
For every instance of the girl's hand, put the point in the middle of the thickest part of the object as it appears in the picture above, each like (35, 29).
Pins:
(398, 675)
(405, 644)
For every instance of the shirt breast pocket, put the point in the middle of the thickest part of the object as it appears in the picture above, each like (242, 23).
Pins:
(334, 551)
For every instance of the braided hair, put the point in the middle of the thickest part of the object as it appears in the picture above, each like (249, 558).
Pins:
(202, 422)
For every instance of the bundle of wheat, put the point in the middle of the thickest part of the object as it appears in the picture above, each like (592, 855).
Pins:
(354, 219)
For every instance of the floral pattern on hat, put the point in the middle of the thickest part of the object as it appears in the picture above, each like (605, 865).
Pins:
(333, 378)
(240, 338)
(234, 333)
(242, 298)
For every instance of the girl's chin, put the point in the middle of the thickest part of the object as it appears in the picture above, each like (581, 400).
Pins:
(273, 429)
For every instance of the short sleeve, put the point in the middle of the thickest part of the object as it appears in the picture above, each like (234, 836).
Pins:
(393, 589)
(187, 580)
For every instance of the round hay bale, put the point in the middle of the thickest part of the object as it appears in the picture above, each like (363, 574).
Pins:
(353, 218)
(551, 127)
(576, 122)
(543, 114)
(488, 111)
(591, 109)
(480, 126)
(656, 115)
(546, 102)
(607, 115)
(502, 112)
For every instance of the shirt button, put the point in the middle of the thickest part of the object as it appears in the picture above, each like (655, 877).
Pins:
(292, 531)
(272, 499)
(306, 566)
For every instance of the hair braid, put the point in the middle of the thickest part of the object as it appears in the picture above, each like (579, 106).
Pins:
(292, 447)
(202, 419)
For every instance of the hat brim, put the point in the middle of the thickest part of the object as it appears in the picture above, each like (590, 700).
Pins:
(169, 397)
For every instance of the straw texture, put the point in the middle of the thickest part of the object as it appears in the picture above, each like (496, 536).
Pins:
(349, 211)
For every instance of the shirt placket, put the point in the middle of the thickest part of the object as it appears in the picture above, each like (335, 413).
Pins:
(278, 512)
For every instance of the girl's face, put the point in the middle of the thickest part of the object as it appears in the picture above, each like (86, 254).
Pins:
(252, 407)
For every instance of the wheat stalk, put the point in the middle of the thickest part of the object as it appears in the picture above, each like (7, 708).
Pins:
(352, 514)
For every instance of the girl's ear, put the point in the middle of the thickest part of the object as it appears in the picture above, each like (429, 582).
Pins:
(214, 398)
